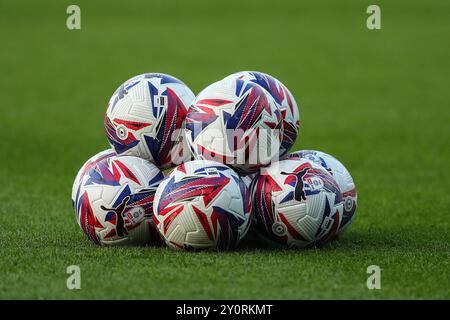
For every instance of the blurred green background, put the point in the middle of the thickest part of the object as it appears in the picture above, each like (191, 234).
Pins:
(378, 100)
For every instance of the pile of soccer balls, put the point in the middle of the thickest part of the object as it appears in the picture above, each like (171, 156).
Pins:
(239, 131)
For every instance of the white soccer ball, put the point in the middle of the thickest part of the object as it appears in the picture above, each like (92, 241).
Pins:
(202, 205)
(284, 99)
(342, 177)
(297, 203)
(238, 124)
(144, 118)
(113, 200)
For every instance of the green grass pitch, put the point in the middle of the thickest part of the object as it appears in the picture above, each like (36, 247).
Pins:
(376, 99)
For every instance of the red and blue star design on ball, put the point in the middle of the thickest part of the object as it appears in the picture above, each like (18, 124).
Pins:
(128, 142)
(109, 172)
(161, 145)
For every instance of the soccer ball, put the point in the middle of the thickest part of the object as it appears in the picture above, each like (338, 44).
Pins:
(202, 205)
(342, 177)
(239, 125)
(114, 200)
(144, 118)
(297, 203)
(284, 99)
